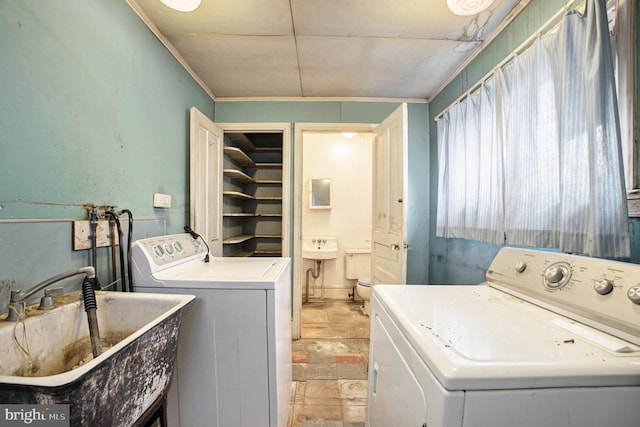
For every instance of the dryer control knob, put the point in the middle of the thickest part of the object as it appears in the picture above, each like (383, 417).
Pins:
(603, 286)
(521, 266)
(634, 294)
(556, 275)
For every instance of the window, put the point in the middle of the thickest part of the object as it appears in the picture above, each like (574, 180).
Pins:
(557, 180)
(621, 16)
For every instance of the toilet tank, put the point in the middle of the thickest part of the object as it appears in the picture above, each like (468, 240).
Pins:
(357, 263)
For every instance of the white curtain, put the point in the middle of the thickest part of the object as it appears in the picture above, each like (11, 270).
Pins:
(555, 109)
(470, 172)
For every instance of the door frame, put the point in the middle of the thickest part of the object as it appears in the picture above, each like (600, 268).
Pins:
(298, 203)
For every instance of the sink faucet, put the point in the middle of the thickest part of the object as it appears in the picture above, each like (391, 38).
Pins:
(19, 297)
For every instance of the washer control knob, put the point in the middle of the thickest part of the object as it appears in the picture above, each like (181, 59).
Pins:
(556, 276)
(603, 286)
(521, 266)
(634, 294)
(553, 274)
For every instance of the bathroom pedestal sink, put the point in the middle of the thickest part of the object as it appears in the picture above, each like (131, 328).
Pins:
(319, 248)
(54, 365)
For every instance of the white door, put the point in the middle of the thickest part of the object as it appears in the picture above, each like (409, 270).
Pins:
(388, 246)
(205, 170)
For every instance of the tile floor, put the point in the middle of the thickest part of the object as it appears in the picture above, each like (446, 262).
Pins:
(330, 364)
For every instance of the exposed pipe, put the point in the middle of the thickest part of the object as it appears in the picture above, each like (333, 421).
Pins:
(93, 227)
(123, 278)
(114, 268)
(315, 273)
(129, 239)
(90, 307)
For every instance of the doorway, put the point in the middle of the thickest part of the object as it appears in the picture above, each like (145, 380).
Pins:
(389, 214)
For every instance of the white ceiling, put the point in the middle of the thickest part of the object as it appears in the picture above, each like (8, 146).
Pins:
(324, 48)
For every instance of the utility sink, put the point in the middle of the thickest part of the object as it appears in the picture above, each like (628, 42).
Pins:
(319, 248)
(46, 358)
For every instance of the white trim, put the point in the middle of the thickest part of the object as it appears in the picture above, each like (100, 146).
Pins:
(320, 99)
(156, 32)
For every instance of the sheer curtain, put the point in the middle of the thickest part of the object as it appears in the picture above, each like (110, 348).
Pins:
(555, 116)
(470, 169)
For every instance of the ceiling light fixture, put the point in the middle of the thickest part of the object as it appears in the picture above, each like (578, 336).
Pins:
(182, 5)
(349, 134)
(468, 7)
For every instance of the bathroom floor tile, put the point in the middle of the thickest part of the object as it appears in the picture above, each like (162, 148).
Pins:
(353, 372)
(330, 365)
(299, 356)
(302, 413)
(307, 371)
(350, 359)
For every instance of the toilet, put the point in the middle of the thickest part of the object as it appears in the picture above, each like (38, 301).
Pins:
(357, 266)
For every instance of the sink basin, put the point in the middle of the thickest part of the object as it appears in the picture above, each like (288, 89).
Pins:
(319, 248)
(53, 363)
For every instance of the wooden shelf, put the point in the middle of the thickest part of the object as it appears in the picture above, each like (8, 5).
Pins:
(234, 240)
(267, 150)
(239, 156)
(251, 215)
(239, 176)
(241, 140)
(273, 252)
(237, 195)
(243, 158)
(237, 239)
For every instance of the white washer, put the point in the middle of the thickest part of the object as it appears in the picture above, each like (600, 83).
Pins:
(549, 340)
(234, 349)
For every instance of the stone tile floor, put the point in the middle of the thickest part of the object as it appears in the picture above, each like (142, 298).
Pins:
(330, 364)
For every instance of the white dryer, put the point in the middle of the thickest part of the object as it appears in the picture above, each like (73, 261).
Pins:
(549, 340)
(234, 350)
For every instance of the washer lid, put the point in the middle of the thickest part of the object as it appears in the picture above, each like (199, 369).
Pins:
(480, 338)
(221, 273)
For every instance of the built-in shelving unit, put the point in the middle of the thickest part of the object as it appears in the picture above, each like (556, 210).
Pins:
(252, 196)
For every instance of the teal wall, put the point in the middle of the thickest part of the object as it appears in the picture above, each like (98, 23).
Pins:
(458, 261)
(359, 112)
(93, 109)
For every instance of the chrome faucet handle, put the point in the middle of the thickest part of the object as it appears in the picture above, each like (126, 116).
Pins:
(16, 295)
(47, 302)
(16, 311)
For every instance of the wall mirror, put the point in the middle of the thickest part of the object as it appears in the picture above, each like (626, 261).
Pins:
(320, 193)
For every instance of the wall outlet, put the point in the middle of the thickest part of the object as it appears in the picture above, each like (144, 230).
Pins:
(633, 204)
(161, 200)
(82, 232)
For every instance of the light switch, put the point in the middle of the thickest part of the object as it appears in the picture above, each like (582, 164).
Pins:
(161, 200)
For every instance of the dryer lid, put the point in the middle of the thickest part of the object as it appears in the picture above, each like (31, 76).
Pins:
(480, 338)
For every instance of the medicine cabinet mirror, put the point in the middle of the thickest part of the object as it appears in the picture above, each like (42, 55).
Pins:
(320, 193)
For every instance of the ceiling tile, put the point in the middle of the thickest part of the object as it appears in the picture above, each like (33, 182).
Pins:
(245, 17)
(427, 19)
(374, 67)
(324, 48)
(243, 65)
